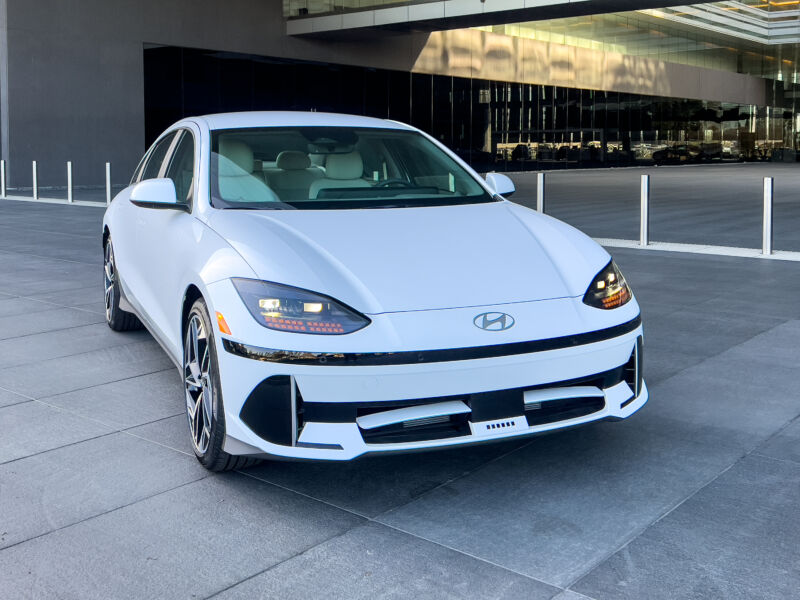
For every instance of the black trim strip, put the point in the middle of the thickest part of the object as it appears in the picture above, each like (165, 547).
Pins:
(184, 206)
(296, 357)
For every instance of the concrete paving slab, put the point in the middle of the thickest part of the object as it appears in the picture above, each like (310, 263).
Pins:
(7, 398)
(688, 336)
(49, 491)
(32, 427)
(13, 306)
(784, 445)
(46, 320)
(744, 403)
(736, 538)
(188, 542)
(570, 595)
(781, 303)
(172, 432)
(59, 343)
(61, 375)
(53, 231)
(778, 346)
(563, 503)
(705, 333)
(48, 280)
(128, 402)
(373, 485)
(390, 564)
(98, 307)
(72, 298)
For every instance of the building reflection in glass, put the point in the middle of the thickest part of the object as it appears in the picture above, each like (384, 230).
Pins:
(491, 123)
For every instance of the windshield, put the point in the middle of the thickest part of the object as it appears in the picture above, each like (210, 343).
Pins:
(334, 167)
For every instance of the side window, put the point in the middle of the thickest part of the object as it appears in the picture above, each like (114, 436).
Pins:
(181, 167)
(153, 165)
(137, 174)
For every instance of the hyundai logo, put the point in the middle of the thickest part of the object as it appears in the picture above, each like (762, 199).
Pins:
(494, 321)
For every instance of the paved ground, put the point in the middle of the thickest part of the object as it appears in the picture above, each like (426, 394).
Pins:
(697, 496)
(718, 204)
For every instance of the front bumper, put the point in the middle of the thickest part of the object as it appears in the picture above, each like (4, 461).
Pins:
(305, 409)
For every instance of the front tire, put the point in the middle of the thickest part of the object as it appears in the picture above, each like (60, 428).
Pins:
(116, 318)
(203, 392)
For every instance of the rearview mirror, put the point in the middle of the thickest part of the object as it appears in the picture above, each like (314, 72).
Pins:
(157, 193)
(500, 184)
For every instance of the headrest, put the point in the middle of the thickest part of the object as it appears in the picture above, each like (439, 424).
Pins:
(237, 152)
(344, 166)
(292, 160)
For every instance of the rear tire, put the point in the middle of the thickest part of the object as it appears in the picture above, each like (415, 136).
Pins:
(203, 393)
(116, 318)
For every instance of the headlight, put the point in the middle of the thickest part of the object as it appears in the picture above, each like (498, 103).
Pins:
(608, 290)
(288, 308)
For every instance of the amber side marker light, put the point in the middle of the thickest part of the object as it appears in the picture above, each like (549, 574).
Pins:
(223, 326)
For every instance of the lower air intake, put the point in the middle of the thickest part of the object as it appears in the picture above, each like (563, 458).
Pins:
(418, 430)
(562, 410)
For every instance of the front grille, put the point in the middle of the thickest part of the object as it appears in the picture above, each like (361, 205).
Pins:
(348, 412)
(418, 430)
(553, 411)
(426, 421)
(275, 409)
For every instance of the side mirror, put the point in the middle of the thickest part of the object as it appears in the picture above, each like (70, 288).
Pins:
(500, 184)
(157, 193)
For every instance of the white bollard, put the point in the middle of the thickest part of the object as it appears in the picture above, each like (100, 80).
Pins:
(2, 178)
(69, 181)
(35, 181)
(108, 183)
(644, 225)
(766, 238)
(540, 192)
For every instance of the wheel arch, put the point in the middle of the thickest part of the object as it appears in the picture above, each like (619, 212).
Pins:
(106, 235)
(190, 296)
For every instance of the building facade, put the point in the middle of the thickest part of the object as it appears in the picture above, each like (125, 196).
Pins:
(508, 84)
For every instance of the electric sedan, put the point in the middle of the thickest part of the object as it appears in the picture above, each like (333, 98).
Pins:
(332, 285)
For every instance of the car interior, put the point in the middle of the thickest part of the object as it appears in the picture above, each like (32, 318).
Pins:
(308, 165)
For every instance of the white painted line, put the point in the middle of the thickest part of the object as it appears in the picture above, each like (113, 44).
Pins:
(701, 249)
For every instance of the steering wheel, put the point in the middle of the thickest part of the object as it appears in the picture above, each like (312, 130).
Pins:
(395, 182)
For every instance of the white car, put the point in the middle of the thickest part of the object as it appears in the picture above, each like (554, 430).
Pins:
(332, 285)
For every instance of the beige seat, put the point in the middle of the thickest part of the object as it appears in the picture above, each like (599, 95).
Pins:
(237, 181)
(294, 175)
(341, 171)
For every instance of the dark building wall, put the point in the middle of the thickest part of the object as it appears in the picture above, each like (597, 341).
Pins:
(75, 81)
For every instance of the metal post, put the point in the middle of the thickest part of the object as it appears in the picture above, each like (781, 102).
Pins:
(644, 226)
(3, 178)
(108, 183)
(69, 181)
(766, 244)
(540, 192)
(35, 181)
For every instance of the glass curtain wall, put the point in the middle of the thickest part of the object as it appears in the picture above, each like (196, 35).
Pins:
(493, 125)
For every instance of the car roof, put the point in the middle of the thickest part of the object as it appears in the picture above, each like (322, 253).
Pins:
(238, 120)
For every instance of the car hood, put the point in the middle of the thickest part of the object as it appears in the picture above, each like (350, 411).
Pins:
(407, 259)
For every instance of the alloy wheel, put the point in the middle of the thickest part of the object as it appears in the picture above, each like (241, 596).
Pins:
(109, 276)
(198, 383)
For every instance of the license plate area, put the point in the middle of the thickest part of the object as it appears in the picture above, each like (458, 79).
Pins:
(493, 406)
